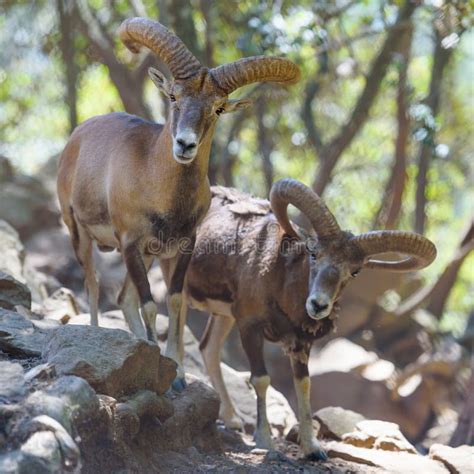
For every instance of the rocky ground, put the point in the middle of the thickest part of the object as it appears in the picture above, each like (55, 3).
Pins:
(80, 399)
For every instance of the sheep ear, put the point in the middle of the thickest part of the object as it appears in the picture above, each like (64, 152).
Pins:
(234, 105)
(160, 81)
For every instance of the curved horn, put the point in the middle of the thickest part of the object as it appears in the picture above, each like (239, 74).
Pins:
(245, 71)
(290, 191)
(419, 250)
(137, 32)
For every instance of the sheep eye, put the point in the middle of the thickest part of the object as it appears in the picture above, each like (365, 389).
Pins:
(220, 110)
(172, 98)
(354, 274)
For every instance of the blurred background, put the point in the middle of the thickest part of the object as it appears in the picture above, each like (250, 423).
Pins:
(380, 125)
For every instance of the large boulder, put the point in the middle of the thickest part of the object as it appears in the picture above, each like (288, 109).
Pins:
(387, 461)
(20, 336)
(379, 435)
(335, 422)
(13, 292)
(373, 399)
(458, 460)
(12, 380)
(114, 362)
(26, 204)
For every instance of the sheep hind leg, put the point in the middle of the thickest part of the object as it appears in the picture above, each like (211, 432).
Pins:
(309, 444)
(82, 244)
(252, 340)
(215, 334)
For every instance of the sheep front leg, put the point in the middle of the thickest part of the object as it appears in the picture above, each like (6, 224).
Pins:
(252, 341)
(309, 444)
(138, 274)
(177, 312)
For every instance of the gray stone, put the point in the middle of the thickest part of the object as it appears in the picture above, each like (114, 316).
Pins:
(195, 411)
(458, 460)
(18, 462)
(44, 445)
(13, 292)
(378, 435)
(336, 421)
(19, 336)
(70, 401)
(393, 462)
(112, 361)
(60, 306)
(69, 454)
(12, 380)
(12, 252)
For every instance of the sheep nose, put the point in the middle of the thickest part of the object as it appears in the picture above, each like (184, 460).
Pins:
(185, 146)
(318, 307)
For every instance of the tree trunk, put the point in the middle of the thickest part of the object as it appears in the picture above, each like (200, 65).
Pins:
(66, 26)
(464, 432)
(437, 294)
(445, 284)
(440, 60)
(265, 144)
(331, 152)
(389, 212)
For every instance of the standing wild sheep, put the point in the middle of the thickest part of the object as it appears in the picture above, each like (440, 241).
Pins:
(133, 185)
(252, 267)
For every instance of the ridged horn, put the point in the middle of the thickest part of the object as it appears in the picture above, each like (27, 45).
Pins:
(137, 32)
(419, 250)
(245, 71)
(289, 191)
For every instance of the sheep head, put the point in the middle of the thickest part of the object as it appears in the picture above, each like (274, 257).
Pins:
(335, 256)
(198, 95)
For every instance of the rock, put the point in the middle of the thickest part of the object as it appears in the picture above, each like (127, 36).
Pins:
(70, 401)
(15, 462)
(52, 443)
(12, 252)
(19, 336)
(193, 424)
(458, 460)
(13, 292)
(6, 170)
(44, 446)
(27, 205)
(336, 421)
(340, 355)
(110, 319)
(379, 435)
(374, 400)
(393, 462)
(60, 306)
(114, 362)
(12, 381)
(293, 434)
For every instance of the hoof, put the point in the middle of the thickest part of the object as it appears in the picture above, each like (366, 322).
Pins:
(318, 455)
(179, 384)
(234, 423)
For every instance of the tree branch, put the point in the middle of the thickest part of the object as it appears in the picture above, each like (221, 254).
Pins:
(331, 152)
